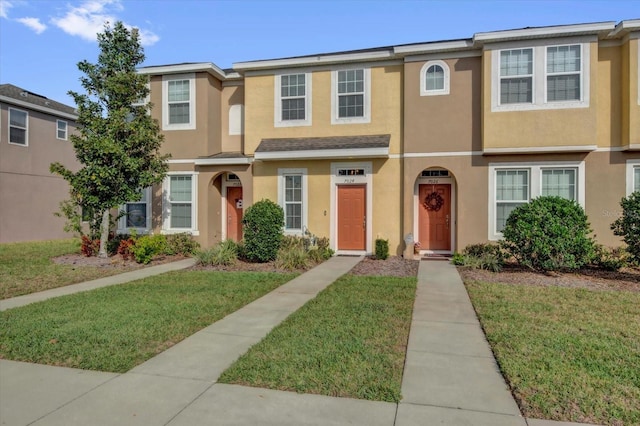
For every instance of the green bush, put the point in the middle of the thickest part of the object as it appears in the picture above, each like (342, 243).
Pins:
(114, 242)
(549, 233)
(262, 227)
(149, 246)
(292, 258)
(224, 253)
(487, 261)
(382, 249)
(182, 243)
(628, 225)
(484, 249)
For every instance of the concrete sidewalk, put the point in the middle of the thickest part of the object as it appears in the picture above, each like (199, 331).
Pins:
(450, 375)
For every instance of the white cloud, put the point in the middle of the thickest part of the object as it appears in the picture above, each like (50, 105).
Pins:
(88, 19)
(4, 8)
(34, 24)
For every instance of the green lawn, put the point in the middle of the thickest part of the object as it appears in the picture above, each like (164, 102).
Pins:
(350, 341)
(116, 328)
(568, 354)
(27, 267)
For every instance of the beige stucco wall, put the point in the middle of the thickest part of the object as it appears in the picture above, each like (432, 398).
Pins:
(443, 123)
(231, 95)
(29, 193)
(386, 109)
(610, 90)
(540, 128)
(630, 92)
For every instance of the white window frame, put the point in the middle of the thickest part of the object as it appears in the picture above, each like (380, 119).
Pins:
(277, 118)
(122, 222)
(518, 76)
(547, 73)
(192, 102)
(26, 128)
(66, 127)
(632, 165)
(166, 204)
(282, 174)
(535, 184)
(539, 83)
(423, 79)
(366, 118)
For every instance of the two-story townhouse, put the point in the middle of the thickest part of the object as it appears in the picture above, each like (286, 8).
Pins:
(439, 141)
(325, 134)
(493, 121)
(200, 109)
(34, 132)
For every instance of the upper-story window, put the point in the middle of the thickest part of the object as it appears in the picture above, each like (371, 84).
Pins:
(541, 77)
(18, 127)
(179, 99)
(61, 130)
(352, 96)
(293, 94)
(516, 76)
(434, 79)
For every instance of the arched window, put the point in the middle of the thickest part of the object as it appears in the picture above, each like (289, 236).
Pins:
(434, 79)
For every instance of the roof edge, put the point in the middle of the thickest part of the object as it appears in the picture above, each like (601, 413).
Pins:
(39, 108)
(209, 67)
(321, 59)
(602, 28)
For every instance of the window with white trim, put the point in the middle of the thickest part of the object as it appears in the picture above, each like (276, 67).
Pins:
(180, 203)
(178, 98)
(434, 79)
(352, 100)
(18, 127)
(136, 215)
(61, 130)
(292, 194)
(293, 100)
(636, 178)
(548, 76)
(633, 176)
(516, 76)
(512, 185)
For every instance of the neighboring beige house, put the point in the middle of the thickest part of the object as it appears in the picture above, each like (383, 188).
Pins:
(34, 132)
(439, 141)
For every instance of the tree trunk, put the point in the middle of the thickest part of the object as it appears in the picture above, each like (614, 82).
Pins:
(104, 234)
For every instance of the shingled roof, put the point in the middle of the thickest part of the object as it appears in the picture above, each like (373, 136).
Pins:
(41, 103)
(324, 147)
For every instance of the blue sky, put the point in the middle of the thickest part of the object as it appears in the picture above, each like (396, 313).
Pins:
(42, 41)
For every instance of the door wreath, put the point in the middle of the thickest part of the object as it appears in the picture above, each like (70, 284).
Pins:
(433, 202)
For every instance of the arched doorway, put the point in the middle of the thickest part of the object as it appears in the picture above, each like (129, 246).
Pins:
(232, 207)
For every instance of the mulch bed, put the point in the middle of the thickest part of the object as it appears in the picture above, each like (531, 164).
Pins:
(111, 263)
(394, 266)
(626, 279)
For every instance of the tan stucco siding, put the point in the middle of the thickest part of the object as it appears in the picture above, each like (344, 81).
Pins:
(610, 89)
(443, 123)
(387, 203)
(231, 95)
(540, 128)
(631, 90)
(386, 109)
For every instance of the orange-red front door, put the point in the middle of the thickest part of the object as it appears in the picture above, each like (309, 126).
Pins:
(234, 213)
(352, 220)
(434, 217)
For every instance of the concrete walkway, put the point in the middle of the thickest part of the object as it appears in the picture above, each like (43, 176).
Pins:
(450, 375)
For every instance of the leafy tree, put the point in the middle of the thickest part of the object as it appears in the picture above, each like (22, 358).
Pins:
(262, 228)
(118, 142)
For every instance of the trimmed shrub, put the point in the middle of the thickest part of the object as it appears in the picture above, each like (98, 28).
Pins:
(382, 249)
(182, 243)
(149, 246)
(292, 258)
(549, 233)
(610, 259)
(628, 225)
(262, 227)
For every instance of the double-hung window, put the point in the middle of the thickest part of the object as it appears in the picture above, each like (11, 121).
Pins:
(61, 130)
(516, 76)
(563, 73)
(178, 98)
(633, 176)
(137, 214)
(292, 193)
(18, 127)
(293, 104)
(512, 185)
(180, 203)
(351, 103)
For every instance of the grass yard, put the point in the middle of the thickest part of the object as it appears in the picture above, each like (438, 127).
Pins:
(27, 267)
(568, 354)
(350, 341)
(116, 328)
